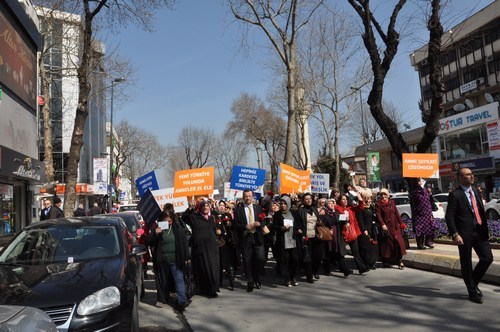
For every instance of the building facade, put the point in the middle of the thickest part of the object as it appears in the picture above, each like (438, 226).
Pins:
(470, 129)
(20, 169)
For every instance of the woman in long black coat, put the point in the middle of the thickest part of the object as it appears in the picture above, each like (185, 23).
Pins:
(227, 250)
(170, 266)
(367, 241)
(204, 249)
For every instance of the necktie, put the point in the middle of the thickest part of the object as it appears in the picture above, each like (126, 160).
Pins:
(474, 207)
(250, 216)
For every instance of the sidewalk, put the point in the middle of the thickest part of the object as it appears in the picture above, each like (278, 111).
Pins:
(444, 259)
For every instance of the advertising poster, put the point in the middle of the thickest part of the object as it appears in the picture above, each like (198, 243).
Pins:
(100, 176)
(373, 161)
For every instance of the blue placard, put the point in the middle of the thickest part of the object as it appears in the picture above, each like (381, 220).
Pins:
(149, 208)
(145, 182)
(247, 178)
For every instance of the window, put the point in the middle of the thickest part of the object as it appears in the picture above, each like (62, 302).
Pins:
(466, 143)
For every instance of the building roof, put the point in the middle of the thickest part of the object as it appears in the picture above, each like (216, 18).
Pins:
(411, 137)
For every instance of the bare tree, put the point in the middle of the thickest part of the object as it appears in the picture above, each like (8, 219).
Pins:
(228, 152)
(330, 65)
(389, 42)
(260, 127)
(280, 20)
(197, 145)
(114, 13)
(138, 152)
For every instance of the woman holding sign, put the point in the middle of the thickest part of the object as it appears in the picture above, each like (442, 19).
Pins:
(285, 226)
(204, 248)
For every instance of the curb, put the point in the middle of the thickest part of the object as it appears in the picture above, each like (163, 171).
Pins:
(447, 264)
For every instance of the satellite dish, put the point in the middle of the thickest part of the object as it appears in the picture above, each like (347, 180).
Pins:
(459, 107)
(489, 98)
(469, 103)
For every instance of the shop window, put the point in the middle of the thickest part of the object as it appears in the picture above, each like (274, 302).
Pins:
(467, 143)
(7, 210)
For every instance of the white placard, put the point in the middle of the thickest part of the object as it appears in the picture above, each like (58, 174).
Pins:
(163, 225)
(288, 222)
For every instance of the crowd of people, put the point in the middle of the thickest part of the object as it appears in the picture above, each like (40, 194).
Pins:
(307, 234)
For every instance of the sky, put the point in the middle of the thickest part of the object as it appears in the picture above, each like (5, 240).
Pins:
(191, 68)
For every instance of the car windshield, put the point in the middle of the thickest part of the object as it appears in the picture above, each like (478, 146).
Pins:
(62, 243)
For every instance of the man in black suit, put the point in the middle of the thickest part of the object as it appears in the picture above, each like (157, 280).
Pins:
(467, 225)
(55, 211)
(45, 213)
(251, 238)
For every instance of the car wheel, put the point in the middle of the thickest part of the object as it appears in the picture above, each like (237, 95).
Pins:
(492, 214)
(405, 217)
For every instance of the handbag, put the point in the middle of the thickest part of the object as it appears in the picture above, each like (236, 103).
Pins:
(349, 234)
(323, 233)
(220, 241)
(189, 281)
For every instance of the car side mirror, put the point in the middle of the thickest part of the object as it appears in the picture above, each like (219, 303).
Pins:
(138, 250)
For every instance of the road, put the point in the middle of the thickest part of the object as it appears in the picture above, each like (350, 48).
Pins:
(407, 300)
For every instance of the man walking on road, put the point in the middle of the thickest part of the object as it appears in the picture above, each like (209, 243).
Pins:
(251, 238)
(467, 225)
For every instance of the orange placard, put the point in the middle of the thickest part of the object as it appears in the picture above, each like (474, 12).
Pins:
(294, 181)
(192, 182)
(421, 165)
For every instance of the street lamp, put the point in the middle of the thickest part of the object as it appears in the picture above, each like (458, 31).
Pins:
(113, 83)
(363, 136)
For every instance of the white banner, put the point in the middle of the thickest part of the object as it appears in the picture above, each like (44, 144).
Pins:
(164, 196)
(100, 176)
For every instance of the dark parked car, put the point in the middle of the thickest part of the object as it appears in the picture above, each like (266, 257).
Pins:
(132, 220)
(15, 318)
(84, 273)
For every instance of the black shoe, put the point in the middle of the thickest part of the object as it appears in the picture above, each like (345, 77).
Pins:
(429, 245)
(363, 271)
(258, 285)
(421, 248)
(316, 276)
(310, 281)
(474, 297)
(479, 292)
(347, 273)
(249, 287)
(294, 282)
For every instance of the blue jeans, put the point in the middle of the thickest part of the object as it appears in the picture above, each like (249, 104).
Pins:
(178, 278)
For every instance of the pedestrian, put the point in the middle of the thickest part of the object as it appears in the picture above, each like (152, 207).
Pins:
(421, 216)
(80, 211)
(204, 249)
(312, 248)
(468, 227)
(95, 210)
(170, 254)
(347, 216)
(391, 243)
(45, 213)
(285, 226)
(227, 243)
(55, 211)
(367, 241)
(251, 238)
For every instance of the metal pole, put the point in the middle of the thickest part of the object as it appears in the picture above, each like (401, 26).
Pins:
(110, 204)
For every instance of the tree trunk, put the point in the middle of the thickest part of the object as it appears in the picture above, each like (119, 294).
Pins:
(290, 127)
(47, 124)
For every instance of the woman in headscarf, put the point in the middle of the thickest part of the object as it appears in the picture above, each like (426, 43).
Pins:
(285, 226)
(335, 249)
(368, 247)
(347, 216)
(227, 246)
(392, 245)
(312, 247)
(204, 248)
(170, 253)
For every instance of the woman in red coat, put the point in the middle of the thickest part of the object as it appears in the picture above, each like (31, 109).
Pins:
(391, 242)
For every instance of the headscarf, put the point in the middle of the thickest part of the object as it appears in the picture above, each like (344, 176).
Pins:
(200, 207)
(288, 202)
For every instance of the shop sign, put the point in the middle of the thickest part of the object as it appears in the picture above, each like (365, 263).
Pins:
(472, 164)
(19, 165)
(476, 116)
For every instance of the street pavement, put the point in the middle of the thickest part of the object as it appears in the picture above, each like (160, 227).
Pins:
(410, 300)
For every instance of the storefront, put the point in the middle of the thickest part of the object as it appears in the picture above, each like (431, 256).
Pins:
(471, 139)
(18, 175)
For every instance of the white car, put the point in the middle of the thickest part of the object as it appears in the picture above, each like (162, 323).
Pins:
(443, 199)
(492, 209)
(404, 208)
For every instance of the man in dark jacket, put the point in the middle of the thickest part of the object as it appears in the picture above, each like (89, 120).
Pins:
(468, 227)
(79, 212)
(45, 213)
(55, 211)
